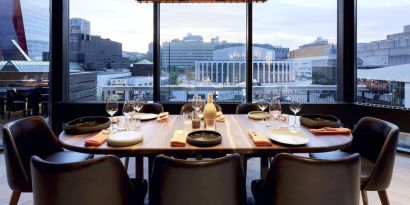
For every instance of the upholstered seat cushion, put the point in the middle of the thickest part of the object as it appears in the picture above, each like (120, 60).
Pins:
(366, 165)
(66, 157)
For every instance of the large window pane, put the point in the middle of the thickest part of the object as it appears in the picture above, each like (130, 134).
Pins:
(383, 51)
(109, 49)
(294, 51)
(203, 51)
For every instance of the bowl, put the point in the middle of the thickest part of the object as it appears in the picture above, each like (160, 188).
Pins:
(86, 125)
(319, 121)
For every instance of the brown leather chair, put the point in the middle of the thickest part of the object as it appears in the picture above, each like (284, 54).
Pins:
(101, 181)
(218, 182)
(152, 108)
(23, 139)
(188, 108)
(294, 180)
(245, 108)
(376, 142)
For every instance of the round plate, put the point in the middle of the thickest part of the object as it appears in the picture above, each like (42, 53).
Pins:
(289, 137)
(258, 115)
(87, 125)
(148, 116)
(204, 138)
(319, 121)
(125, 139)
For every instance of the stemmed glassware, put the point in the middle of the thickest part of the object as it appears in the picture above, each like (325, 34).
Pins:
(138, 103)
(295, 107)
(111, 107)
(275, 110)
(262, 104)
(197, 103)
(128, 111)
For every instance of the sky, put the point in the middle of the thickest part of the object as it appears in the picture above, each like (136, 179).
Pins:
(287, 23)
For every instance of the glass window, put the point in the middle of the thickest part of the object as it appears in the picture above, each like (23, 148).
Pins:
(110, 49)
(203, 51)
(383, 55)
(294, 50)
(24, 66)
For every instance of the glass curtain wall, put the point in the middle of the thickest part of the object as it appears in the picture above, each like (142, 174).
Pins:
(110, 48)
(294, 50)
(203, 50)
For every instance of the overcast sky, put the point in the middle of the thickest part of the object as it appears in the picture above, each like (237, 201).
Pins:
(288, 23)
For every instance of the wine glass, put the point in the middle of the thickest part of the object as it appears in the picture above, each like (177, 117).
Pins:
(262, 104)
(128, 111)
(138, 103)
(275, 110)
(196, 102)
(295, 107)
(111, 107)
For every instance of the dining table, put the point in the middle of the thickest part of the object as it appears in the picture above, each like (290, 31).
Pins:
(235, 139)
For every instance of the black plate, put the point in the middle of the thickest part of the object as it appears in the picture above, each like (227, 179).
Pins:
(87, 125)
(319, 121)
(204, 138)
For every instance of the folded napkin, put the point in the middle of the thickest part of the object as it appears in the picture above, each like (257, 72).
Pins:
(259, 139)
(99, 138)
(330, 131)
(179, 138)
(220, 116)
(163, 117)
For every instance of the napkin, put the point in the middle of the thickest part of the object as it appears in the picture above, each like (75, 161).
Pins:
(98, 139)
(179, 138)
(163, 117)
(330, 131)
(259, 139)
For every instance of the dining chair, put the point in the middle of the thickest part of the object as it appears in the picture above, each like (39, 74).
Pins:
(376, 142)
(188, 108)
(155, 108)
(295, 180)
(245, 108)
(217, 181)
(101, 181)
(27, 137)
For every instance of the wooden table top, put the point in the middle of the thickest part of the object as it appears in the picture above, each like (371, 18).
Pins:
(235, 139)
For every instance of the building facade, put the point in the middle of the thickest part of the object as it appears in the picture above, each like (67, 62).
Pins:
(79, 25)
(24, 29)
(320, 47)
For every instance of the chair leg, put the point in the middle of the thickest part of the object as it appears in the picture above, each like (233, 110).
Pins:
(364, 197)
(15, 196)
(383, 197)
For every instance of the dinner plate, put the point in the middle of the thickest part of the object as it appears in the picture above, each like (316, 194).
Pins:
(289, 137)
(258, 115)
(148, 116)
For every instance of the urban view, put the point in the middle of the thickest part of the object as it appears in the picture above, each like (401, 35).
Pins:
(101, 65)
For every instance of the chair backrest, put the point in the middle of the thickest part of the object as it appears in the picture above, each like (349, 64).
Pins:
(22, 139)
(245, 108)
(152, 108)
(294, 180)
(376, 140)
(218, 181)
(188, 108)
(100, 181)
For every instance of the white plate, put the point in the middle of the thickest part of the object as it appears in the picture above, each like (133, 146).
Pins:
(125, 139)
(148, 116)
(289, 137)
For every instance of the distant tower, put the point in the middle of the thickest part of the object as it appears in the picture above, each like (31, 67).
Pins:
(79, 25)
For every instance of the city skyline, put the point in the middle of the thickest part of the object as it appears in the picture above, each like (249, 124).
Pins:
(271, 25)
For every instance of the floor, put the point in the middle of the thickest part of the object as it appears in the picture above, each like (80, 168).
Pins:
(399, 191)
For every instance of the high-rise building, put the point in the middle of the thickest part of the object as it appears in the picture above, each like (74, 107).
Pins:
(24, 29)
(79, 25)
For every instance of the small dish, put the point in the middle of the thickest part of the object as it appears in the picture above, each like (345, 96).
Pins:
(86, 125)
(204, 138)
(258, 115)
(148, 116)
